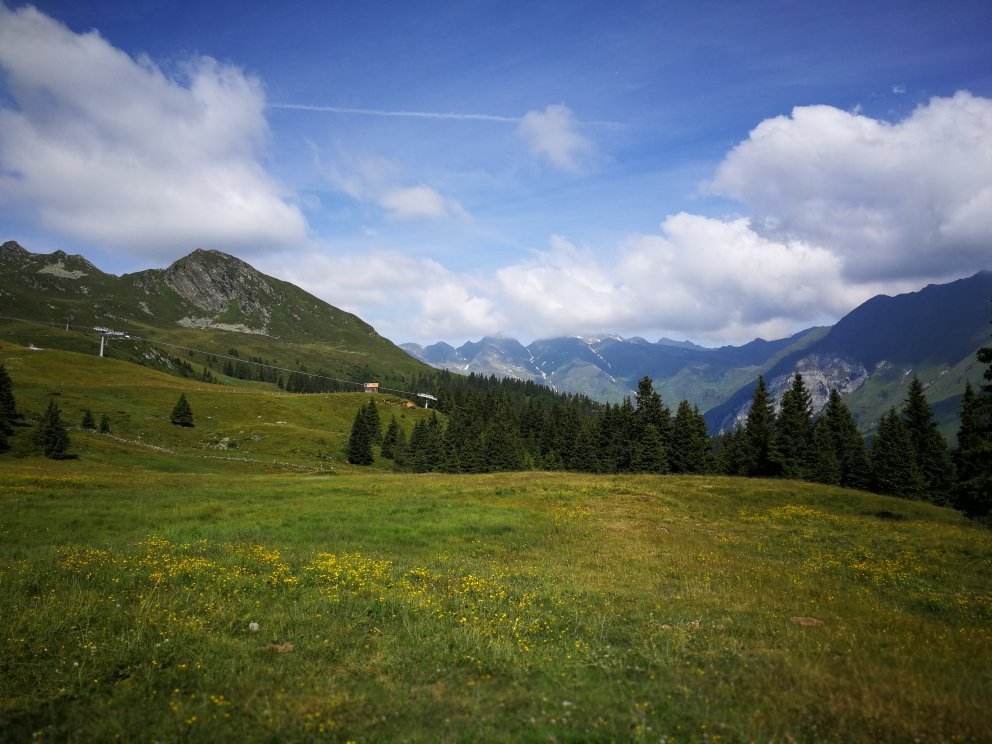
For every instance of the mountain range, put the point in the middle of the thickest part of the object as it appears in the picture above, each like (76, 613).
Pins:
(206, 300)
(868, 355)
(213, 302)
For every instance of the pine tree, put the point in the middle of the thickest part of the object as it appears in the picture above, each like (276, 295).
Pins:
(359, 448)
(500, 439)
(735, 456)
(390, 438)
(51, 438)
(373, 422)
(182, 414)
(972, 492)
(648, 455)
(758, 430)
(848, 444)
(793, 431)
(9, 417)
(586, 457)
(894, 468)
(624, 436)
(929, 445)
(652, 411)
(691, 449)
(427, 445)
(88, 422)
(824, 465)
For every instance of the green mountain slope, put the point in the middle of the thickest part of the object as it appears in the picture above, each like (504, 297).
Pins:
(208, 300)
(259, 426)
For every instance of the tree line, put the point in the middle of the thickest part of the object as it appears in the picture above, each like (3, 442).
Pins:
(493, 428)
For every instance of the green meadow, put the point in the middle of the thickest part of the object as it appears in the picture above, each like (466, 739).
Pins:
(239, 581)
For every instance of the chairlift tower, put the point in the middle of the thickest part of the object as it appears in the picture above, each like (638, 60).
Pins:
(427, 399)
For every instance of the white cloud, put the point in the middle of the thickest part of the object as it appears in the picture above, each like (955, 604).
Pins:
(892, 201)
(405, 298)
(420, 202)
(373, 179)
(552, 134)
(110, 149)
(704, 277)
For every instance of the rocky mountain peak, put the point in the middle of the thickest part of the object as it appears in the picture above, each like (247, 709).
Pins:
(213, 281)
(12, 250)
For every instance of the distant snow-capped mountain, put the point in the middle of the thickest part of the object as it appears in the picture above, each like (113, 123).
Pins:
(868, 356)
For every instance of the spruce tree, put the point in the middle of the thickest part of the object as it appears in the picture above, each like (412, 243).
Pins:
(824, 465)
(105, 424)
(427, 445)
(9, 417)
(929, 445)
(373, 422)
(735, 456)
(586, 457)
(972, 492)
(182, 414)
(624, 436)
(759, 430)
(848, 444)
(652, 411)
(793, 431)
(51, 438)
(88, 422)
(648, 454)
(359, 448)
(893, 460)
(390, 438)
(502, 447)
(691, 449)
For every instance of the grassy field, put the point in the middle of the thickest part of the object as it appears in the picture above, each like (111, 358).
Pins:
(159, 589)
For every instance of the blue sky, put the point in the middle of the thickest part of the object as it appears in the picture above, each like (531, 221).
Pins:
(711, 171)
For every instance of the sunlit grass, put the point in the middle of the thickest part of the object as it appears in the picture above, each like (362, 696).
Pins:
(515, 607)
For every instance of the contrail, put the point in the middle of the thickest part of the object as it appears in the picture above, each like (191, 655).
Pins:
(407, 114)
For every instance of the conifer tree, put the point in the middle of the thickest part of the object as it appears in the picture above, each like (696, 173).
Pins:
(427, 445)
(691, 449)
(51, 438)
(972, 492)
(88, 422)
(586, 457)
(373, 422)
(9, 417)
(847, 443)
(648, 453)
(500, 440)
(735, 453)
(390, 438)
(824, 465)
(651, 410)
(929, 445)
(758, 430)
(182, 414)
(793, 431)
(105, 424)
(359, 448)
(893, 460)
(623, 436)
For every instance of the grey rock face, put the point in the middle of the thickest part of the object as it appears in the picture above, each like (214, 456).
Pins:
(211, 280)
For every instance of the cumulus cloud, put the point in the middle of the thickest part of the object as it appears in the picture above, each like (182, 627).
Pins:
(704, 277)
(553, 134)
(909, 200)
(404, 297)
(111, 149)
(373, 179)
(844, 207)
(420, 202)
